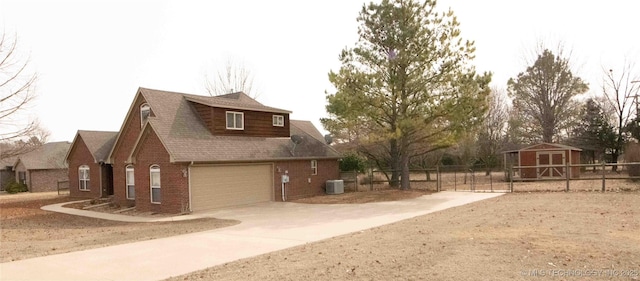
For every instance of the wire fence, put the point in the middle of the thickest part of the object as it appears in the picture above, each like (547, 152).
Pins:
(567, 177)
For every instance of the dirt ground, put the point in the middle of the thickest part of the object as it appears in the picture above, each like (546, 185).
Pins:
(364, 197)
(518, 236)
(27, 232)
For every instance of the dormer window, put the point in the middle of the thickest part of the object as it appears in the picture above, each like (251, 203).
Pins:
(235, 120)
(145, 111)
(278, 121)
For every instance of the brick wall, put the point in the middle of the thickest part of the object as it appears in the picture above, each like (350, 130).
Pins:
(46, 180)
(122, 149)
(80, 155)
(173, 178)
(301, 181)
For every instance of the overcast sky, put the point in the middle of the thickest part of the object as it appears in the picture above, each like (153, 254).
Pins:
(91, 56)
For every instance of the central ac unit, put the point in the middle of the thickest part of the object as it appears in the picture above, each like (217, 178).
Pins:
(334, 187)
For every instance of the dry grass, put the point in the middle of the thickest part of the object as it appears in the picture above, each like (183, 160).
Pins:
(511, 237)
(27, 231)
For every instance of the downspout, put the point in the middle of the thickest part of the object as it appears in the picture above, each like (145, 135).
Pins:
(283, 197)
(284, 179)
(101, 165)
(189, 179)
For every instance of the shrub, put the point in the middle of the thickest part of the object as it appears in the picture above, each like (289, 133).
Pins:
(15, 187)
(352, 162)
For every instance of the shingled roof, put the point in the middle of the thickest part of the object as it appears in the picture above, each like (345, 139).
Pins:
(99, 143)
(46, 157)
(237, 100)
(187, 139)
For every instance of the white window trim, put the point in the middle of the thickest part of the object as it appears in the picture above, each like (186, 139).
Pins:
(87, 181)
(126, 183)
(234, 120)
(142, 122)
(314, 167)
(278, 120)
(151, 187)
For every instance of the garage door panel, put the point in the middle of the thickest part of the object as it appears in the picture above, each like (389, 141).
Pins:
(225, 186)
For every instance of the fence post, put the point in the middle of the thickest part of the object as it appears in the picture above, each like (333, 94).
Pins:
(491, 179)
(603, 176)
(371, 180)
(567, 173)
(355, 174)
(473, 180)
(438, 186)
(511, 179)
(455, 180)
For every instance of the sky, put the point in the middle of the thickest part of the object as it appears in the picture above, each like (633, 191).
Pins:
(91, 56)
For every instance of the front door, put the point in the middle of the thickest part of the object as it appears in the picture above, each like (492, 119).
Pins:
(107, 180)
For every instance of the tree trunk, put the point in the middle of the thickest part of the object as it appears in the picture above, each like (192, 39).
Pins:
(614, 159)
(395, 163)
(547, 133)
(404, 182)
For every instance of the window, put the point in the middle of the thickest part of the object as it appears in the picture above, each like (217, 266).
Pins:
(22, 177)
(278, 120)
(83, 176)
(145, 111)
(154, 174)
(131, 186)
(235, 120)
(314, 167)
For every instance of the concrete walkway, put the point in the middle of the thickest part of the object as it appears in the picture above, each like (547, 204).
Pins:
(265, 228)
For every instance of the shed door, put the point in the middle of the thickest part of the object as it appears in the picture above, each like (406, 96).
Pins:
(551, 158)
(230, 185)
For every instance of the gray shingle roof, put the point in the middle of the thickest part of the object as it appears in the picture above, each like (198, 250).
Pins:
(235, 101)
(187, 139)
(99, 143)
(9, 161)
(48, 156)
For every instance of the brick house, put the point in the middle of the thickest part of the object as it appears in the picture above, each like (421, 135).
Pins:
(179, 153)
(93, 177)
(6, 171)
(42, 168)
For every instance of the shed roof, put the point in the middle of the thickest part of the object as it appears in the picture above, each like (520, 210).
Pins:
(545, 146)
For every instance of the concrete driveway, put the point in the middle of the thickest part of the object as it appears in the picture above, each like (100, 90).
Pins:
(265, 228)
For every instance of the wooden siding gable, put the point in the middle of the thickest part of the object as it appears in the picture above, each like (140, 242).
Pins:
(256, 123)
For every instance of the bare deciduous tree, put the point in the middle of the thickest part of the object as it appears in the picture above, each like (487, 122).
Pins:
(16, 92)
(543, 94)
(25, 144)
(619, 91)
(491, 135)
(234, 77)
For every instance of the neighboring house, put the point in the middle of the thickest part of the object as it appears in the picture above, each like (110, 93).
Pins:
(551, 159)
(42, 168)
(89, 152)
(179, 153)
(6, 171)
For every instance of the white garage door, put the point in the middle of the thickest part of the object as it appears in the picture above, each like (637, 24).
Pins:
(230, 185)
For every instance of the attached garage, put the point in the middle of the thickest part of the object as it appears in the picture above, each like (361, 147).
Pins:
(218, 186)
